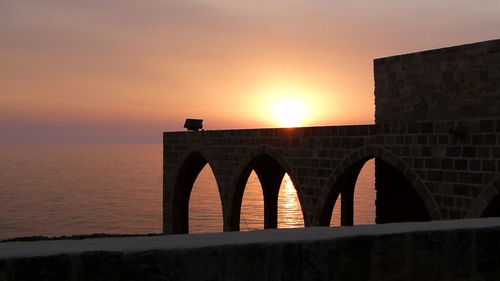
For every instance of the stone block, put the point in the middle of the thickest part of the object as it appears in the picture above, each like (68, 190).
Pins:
(427, 127)
(426, 151)
(477, 139)
(483, 152)
(490, 139)
(443, 139)
(431, 163)
(475, 165)
(495, 152)
(486, 126)
(497, 126)
(415, 151)
(472, 178)
(461, 164)
(418, 163)
(450, 176)
(433, 139)
(469, 151)
(453, 151)
(422, 139)
(448, 201)
(435, 176)
(462, 190)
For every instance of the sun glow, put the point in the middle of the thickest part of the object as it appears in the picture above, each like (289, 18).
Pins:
(291, 101)
(289, 113)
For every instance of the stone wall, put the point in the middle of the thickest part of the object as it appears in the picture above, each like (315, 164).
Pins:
(308, 155)
(444, 250)
(444, 84)
(453, 167)
(459, 162)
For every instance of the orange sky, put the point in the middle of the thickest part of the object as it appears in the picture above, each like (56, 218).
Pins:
(120, 70)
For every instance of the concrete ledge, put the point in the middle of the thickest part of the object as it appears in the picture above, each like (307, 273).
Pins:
(439, 250)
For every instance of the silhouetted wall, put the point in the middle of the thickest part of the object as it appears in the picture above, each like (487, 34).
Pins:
(459, 82)
(451, 250)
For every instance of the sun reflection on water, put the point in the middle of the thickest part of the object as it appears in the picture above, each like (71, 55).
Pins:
(289, 211)
(204, 217)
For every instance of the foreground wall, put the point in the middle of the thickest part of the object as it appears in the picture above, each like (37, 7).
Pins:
(438, 250)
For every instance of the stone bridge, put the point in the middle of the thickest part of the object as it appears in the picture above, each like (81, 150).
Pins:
(435, 141)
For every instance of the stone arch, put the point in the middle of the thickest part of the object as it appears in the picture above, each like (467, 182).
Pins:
(348, 169)
(270, 167)
(487, 199)
(193, 162)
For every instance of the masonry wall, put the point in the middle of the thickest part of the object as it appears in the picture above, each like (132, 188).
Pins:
(308, 155)
(453, 250)
(460, 82)
(461, 171)
(454, 174)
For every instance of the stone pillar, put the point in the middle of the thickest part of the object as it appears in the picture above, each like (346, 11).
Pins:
(346, 184)
(347, 207)
(270, 180)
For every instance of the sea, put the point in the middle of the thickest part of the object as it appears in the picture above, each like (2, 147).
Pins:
(75, 189)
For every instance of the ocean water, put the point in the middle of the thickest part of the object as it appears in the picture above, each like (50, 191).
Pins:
(69, 189)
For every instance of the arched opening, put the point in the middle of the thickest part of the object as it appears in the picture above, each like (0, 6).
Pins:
(205, 207)
(289, 210)
(397, 199)
(493, 209)
(265, 170)
(335, 220)
(252, 207)
(365, 194)
(186, 178)
(371, 190)
(364, 197)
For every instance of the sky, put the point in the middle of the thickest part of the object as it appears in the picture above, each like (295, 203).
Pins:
(91, 71)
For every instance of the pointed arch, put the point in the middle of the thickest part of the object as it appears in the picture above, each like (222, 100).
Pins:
(487, 201)
(193, 162)
(347, 171)
(270, 167)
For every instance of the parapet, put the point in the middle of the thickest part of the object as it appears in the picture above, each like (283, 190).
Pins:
(438, 250)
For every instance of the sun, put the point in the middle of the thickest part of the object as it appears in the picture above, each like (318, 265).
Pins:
(289, 113)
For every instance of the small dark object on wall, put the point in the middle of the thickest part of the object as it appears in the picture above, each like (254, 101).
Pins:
(193, 124)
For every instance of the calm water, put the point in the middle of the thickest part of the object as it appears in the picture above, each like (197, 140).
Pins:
(54, 190)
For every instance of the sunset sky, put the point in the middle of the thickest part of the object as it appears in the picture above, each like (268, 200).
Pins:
(121, 70)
